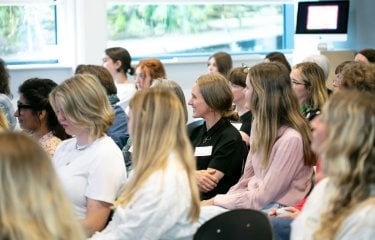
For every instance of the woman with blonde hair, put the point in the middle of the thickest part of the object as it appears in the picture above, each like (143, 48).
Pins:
(279, 166)
(90, 165)
(342, 206)
(218, 146)
(33, 204)
(308, 82)
(161, 199)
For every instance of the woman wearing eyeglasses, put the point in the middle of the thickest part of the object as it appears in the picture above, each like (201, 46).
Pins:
(308, 82)
(36, 116)
(147, 70)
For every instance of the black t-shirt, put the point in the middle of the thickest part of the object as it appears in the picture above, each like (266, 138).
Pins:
(228, 152)
(246, 120)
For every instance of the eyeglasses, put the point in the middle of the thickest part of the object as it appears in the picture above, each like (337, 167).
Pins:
(140, 75)
(21, 106)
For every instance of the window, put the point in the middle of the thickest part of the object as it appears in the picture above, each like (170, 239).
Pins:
(194, 29)
(28, 32)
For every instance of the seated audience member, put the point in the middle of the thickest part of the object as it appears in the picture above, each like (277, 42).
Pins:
(278, 57)
(219, 150)
(117, 61)
(3, 121)
(147, 70)
(161, 199)
(90, 165)
(308, 83)
(358, 75)
(323, 62)
(237, 79)
(33, 204)
(5, 96)
(118, 131)
(366, 55)
(342, 206)
(338, 76)
(220, 62)
(279, 165)
(36, 116)
(157, 83)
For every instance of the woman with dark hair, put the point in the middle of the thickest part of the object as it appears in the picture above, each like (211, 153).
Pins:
(278, 57)
(220, 62)
(5, 96)
(118, 62)
(36, 116)
(366, 55)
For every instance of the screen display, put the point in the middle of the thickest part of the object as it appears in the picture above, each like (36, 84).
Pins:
(322, 17)
(329, 17)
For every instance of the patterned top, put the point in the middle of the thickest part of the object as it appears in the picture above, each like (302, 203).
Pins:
(49, 142)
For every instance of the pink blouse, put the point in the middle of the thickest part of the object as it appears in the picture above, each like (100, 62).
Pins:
(285, 180)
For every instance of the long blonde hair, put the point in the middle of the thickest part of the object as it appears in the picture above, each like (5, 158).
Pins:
(33, 204)
(84, 103)
(314, 79)
(274, 104)
(158, 130)
(349, 155)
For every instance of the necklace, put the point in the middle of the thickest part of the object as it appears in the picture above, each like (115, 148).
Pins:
(80, 148)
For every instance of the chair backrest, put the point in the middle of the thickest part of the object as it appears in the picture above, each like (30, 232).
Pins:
(236, 224)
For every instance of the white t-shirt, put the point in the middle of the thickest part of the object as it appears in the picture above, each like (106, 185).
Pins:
(358, 225)
(125, 92)
(96, 172)
(159, 210)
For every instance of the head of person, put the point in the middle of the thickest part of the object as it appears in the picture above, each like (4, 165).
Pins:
(147, 70)
(308, 82)
(366, 55)
(212, 93)
(4, 78)
(237, 81)
(103, 75)
(117, 60)
(34, 108)
(220, 62)
(322, 61)
(81, 104)
(338, 75)
(278, 57)
(32, 199)
(358, 75)
(274, 104)
(155, 116)
(175, 88)
(347, 125)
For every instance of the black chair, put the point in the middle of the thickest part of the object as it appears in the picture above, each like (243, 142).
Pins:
(236, 224)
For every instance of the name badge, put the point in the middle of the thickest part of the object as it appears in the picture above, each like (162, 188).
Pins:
(203, 151)
(237, 125)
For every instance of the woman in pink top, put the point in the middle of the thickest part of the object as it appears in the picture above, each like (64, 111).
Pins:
(278, 169)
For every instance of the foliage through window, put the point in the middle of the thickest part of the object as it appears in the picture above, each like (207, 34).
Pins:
(196, 29)
(28, 32)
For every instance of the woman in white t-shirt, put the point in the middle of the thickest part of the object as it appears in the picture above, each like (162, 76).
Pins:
(161, 199)
(90, 165)
(118, 62)
(342, 206)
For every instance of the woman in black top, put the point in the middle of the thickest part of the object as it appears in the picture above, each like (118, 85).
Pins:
(237, 79)
(218, 145)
